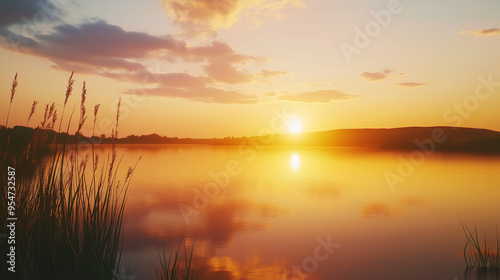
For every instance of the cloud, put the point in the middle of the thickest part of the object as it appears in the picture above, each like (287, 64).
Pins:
(410, 84)
(96, 47)
(227, 73)
(482, 32)
(377, 76)
(223, 69)
(377, 210)
(100, 39)
(205, 17)
(14, 11)
(309, 84)
(269, 74)
(201, 94)
(179, 80)
(320, 96)
(186, 86)
(315, 84)
(99, 45)
(273, 9)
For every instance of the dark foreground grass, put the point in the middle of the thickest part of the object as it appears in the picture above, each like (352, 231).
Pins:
(69, 208)
(478, 251)
(179, 264)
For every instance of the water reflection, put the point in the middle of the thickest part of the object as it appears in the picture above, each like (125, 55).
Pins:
(265, 221)
(377, 210)
(295, 161)
(482, 274)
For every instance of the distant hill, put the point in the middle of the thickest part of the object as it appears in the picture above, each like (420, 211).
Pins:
(405, 138)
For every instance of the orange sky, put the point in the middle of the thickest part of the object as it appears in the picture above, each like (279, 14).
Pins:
(204, 68)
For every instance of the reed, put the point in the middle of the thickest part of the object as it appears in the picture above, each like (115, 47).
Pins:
(70, 217)
(478, 252)
(178, 264)
(13, 90)
(32, 111)
(69, 89)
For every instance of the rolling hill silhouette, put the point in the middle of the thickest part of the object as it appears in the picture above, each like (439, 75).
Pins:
(405, 138)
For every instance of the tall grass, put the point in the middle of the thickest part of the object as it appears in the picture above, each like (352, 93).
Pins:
(179, 264)
(478, 252)
(69, 218)
(12, 94)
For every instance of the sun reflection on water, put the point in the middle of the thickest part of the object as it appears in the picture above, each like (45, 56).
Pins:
(295, 161)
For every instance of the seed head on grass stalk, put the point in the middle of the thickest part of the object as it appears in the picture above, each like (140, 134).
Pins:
(69, 89)
(96, 162)
(96, 110)
(477, 255)
(178, 265)
(63, 214)
(114, 134)
(45, 114)
(12, 93)
(54, 119)
(49, 111)
(117, 117)
(95, 157)
(32, 112)
(83, 111)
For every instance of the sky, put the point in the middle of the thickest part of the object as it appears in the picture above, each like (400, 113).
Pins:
(199, 68)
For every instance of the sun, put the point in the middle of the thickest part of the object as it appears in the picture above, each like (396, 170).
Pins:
(295, 125)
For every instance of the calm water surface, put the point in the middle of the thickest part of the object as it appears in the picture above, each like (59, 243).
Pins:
(272, 215)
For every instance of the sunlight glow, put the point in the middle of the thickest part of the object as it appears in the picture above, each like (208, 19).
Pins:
(295, 125)
(295, 161)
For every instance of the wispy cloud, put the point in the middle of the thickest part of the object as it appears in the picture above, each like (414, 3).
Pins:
(201, 93)
(410, 84)
(482, 32)
(378, 76)
(270, 74)
(205, 17)
(319, 96)
(309, 84)
(377, 210)
(224, 69)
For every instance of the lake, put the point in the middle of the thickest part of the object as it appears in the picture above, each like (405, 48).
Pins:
(307, 213)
